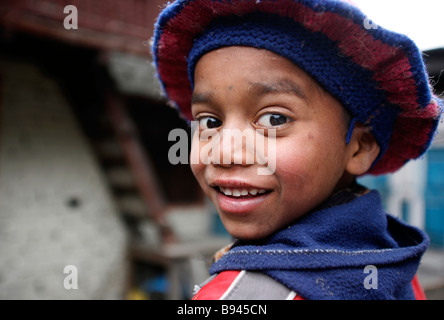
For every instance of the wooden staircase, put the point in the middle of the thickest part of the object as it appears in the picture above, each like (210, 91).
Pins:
(155, 238)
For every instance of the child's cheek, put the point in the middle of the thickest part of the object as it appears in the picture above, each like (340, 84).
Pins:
(295, 156)
(197, 167)
(194, 153)
(298, 166)
(197, 171)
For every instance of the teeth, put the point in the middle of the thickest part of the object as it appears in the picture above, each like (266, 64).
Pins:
(241, 192)
(226, 191)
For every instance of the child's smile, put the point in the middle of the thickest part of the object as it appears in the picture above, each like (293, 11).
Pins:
(239, 197)
(249, 89)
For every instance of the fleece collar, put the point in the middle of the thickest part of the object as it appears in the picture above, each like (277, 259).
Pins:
(324, 255)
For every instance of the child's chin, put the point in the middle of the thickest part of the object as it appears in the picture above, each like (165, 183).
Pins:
(251, 234)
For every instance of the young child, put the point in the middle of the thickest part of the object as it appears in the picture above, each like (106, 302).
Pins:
(342, 100)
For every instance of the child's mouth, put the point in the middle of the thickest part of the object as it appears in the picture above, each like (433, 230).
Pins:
(240, 200)
(241, 193)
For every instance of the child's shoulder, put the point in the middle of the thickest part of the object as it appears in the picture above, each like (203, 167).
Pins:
(243, 285)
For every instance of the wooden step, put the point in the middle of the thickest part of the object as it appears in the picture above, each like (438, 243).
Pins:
(108, 149)
(132, 205)
(120, 177)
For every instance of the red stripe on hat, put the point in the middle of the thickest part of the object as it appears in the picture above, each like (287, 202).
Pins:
(363, 49)
(394, 76)
(403, 145)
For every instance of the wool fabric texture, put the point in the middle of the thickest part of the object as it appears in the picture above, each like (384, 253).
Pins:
(378, 75)
(320, 257)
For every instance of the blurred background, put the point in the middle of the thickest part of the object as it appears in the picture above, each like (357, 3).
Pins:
(85, 179)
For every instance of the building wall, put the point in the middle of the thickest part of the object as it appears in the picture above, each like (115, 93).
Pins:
(55, 210)
(434, 197)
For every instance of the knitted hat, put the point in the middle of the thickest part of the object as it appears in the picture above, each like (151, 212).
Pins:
(377, 74)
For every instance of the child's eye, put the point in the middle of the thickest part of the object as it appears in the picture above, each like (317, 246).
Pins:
(272, 120)
(209, 123)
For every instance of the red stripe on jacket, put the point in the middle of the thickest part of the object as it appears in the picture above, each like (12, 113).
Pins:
(215, 289)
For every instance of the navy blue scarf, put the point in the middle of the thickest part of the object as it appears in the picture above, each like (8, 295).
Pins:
(324, 254)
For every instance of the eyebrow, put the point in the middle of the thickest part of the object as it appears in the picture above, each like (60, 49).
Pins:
(259, 89)
(277, 87)
(200, 98)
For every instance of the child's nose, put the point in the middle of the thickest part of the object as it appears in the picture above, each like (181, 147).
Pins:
(237, 147)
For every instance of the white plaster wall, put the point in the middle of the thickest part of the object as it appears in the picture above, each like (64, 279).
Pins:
(55, 209)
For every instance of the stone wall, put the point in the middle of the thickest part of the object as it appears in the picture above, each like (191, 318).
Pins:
(55, 209)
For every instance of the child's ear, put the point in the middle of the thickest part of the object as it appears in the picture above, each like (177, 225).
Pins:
(363, 150)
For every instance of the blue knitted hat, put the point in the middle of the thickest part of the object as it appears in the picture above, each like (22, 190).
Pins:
(377, 75)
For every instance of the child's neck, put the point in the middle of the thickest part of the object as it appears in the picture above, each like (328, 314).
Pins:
(344, 195)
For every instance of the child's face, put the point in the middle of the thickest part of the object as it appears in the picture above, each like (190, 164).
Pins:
(246, 88)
